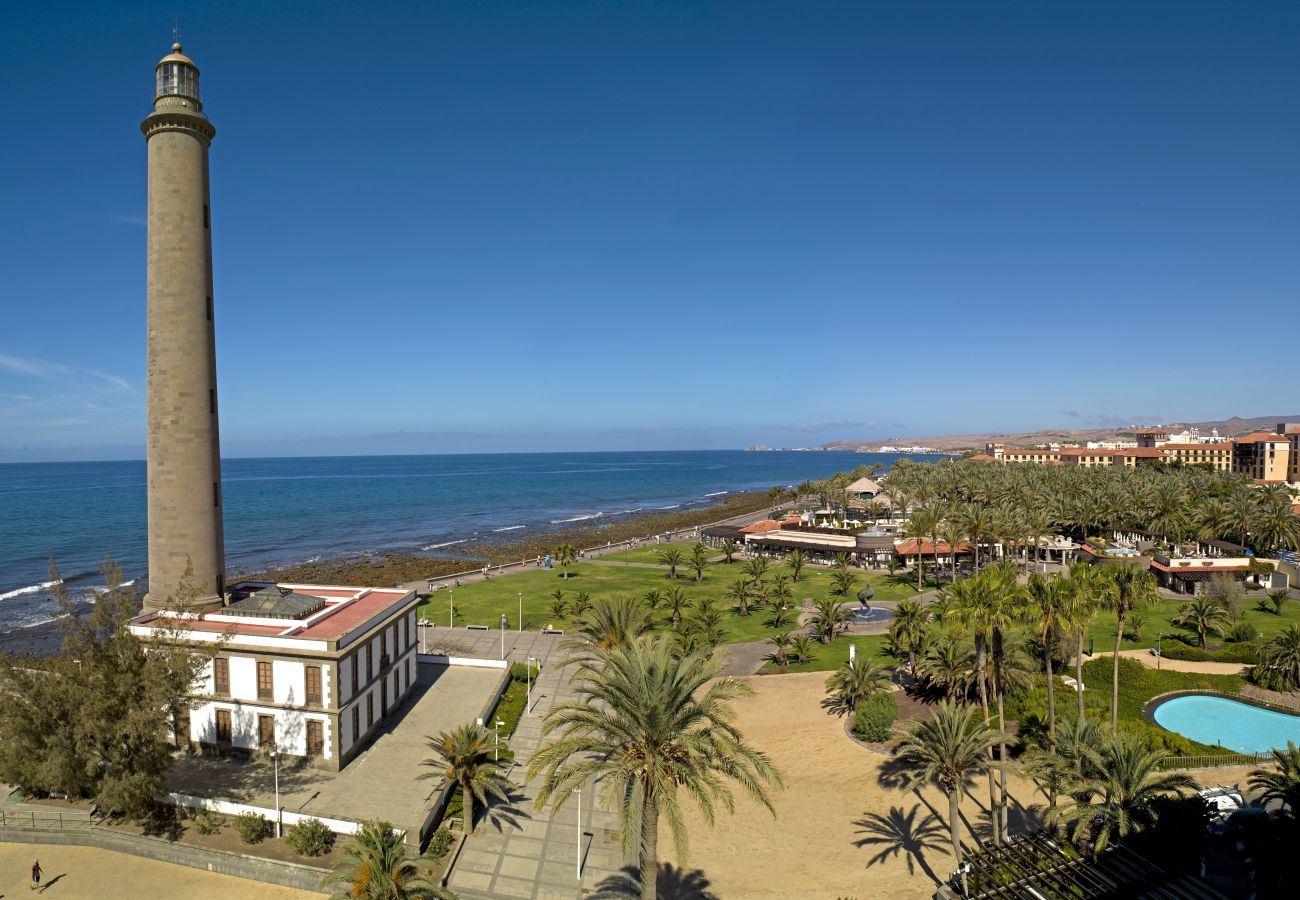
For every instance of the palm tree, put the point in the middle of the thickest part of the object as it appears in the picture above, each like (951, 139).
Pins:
(698, 561)
(1049, 606)
(781, 644)
(924, 522)
(559, 605)
(676, 600)
(612, 622)
(802, 648)
(908, 629)
(854, 682)
(1005, 612)
(828, 618)
(729, 549)
(844, 581)
(952, 534)
(756, 568)
(1086, 586)
(1128, 588)
(652, 598)
(464, 757)
(949, 749)
(795, 560)
(740, 591)
(1278, 599)
(581, 603)
(565, 554)
(949, 663)
(1118, 792)
(374, 866)
(1205, 614)
(672, 557)
(652, 727)
(1282, 654)
(1284, 783)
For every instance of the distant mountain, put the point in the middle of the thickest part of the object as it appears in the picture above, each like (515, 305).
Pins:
(1226, 427)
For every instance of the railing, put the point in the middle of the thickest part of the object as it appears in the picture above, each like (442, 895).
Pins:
(1214, 761)
(54, 819)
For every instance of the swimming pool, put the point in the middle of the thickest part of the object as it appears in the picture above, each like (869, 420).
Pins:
(1229, 723)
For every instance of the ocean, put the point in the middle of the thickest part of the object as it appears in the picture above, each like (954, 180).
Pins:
(286, 511)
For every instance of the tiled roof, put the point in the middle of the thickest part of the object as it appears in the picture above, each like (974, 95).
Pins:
(1259, 436)
(761, 527)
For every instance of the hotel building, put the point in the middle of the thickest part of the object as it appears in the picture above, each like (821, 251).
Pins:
(304, 670)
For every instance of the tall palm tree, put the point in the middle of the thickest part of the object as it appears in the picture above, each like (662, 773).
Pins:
(908, 629)
(676, 600)
(952, 533)
(651, 726)
(973, 608)
(828, 617)
(854, 682)
(1049, 607)
(1117, 794)
(610, 622)
(1128, 588)
(1006, 610)
(795, 560)
(699, 561)
(924, 522)
(1283, 783)
(1086, 586)
(565, 554)
(949, 663)
(949, 749)
(1205, 614)
(464, 757)
(672, 557)
(374, 866)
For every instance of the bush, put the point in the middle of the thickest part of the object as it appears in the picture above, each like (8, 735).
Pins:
(252, 827)
(208, 822)
(309, 837)
(1179, 649)
(518, 672)
(1241, 633)
(440, 843)
(1268, 678)
(874, 720)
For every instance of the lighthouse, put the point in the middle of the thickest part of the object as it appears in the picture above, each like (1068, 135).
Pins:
(184, 454)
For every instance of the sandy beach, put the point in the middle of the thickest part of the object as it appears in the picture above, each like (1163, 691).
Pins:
(843, 827)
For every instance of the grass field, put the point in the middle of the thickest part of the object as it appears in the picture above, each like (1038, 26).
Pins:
(649, 553)
(826, 657)
(1159, 619)
(483, 603)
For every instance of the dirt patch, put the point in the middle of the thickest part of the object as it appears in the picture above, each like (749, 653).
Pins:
(843, 826)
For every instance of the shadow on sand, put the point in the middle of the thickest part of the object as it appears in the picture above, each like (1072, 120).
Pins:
(673, 884)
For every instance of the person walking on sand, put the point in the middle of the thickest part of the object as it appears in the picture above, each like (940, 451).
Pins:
(36, 874)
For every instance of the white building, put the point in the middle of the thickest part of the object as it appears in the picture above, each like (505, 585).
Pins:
(307, 670)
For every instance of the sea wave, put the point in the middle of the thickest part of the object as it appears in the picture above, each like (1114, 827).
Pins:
(508, 528)
(30, 589)
(443, 544)
(577, 519)
(674, 506)
(717, 493)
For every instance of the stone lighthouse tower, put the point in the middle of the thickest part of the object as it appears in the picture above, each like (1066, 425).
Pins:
(183, 446)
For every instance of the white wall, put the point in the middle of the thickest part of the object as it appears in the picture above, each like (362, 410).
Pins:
(243, 677)
(290, 727)
(289, 681)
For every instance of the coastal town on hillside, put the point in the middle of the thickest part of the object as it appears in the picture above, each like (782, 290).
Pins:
(1067, 669)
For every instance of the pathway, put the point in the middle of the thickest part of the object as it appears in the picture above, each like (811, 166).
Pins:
(520, 851)
(1150, 660)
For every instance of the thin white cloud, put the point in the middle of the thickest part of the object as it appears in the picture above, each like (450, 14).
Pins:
(116, 380)
(36, 368)
(129, 220)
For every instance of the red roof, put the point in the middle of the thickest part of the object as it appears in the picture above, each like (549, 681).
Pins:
(1223, 446)
(761, 527)
(1259, 436)
(1146, 452)
(983, 457)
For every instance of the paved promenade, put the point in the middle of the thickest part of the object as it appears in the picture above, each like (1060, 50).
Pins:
(519, 851)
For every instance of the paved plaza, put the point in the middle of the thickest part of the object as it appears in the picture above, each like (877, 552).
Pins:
(380, 783)
(519, 851)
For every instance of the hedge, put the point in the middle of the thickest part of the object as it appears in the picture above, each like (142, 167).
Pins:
(1233, 653)
(874, 720)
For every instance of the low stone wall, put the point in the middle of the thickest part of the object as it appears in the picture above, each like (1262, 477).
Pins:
(268, 871)
(1289, 701)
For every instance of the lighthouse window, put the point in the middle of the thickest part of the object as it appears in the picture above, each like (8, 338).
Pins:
(209, 309)
(216, 493)
(212, 402)
(205, 215)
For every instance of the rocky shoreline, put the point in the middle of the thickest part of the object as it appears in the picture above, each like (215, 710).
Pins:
(391, 569)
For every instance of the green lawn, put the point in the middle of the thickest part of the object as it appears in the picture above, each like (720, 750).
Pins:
(1159, 619)
(826, 657)
(650, 552)
(483, 603)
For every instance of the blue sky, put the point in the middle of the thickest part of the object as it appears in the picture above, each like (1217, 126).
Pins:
(481, 226)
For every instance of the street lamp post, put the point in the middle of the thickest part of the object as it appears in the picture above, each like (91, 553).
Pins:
(1260, 642)
(279, 818)
(579, 858)
(1158, 653)
(528, 697)
(451, 608)
(521, 611)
